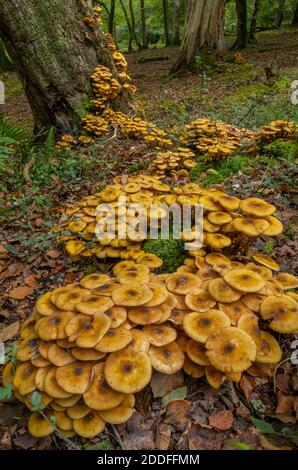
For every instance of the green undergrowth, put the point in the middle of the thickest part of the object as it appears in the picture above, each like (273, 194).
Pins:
(171, 251)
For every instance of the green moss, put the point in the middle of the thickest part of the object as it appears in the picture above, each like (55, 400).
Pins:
(170, 251)
(13, 86)
(283, 149)
(219, 171)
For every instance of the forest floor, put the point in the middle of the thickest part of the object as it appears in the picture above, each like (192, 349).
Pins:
(235, 90)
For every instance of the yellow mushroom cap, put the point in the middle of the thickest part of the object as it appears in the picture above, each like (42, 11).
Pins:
(39, 425)
(199, 326)
(63, 421)
(117, 316)
(131, 295)
(24, 379)
(27, 349)
(87, 330)
(251, 227)
(100, 396)
(91, 304)
(199, 300)
(197, 352)
(268, 349)
(60, 356)
(266, 261)
(94, 280)
(214, 377)
(262, 271)
(120, 414)
(78, 410)
(217, 241)
(253, 301)
(160, 294)
(182, 283)
(234, 310)
(275, 228)
(53, 326)
(140, 342)
(217, 258)
(44, 306)
(114, 340)
(244, 280)
(192, 369)
(128, 372)
(283, 313)
(249, 323)
(219, 218)
(166, 359)
(150, 260)
(87, 354)
(222, 292)
(229, 203)
(75, 378)
(288, 281)
(231, 350)
(160, 335)
(51, 386)
(257, 207)
(89, 426)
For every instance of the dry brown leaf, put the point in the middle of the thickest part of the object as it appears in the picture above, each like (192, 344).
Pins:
(54, 254)
(13, 270)
(20, 293)
(31, 280)
(284, 403)
(4, 253)
(222, 420)
(10, 331)
(247, 384)
(178, 413)
(162, 384)
(267, 445)
(163, 437)
(142, 439)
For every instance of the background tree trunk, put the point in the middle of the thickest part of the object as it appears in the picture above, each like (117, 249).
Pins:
(166, 21)
(253, 21)
(204, 28)
(279, 15)
(5, 63)
(242, 32)
(54, 53)
(133, 25)
(112, 16)
(131, 38)
(175, 41)
(295, 16)
(144, 25)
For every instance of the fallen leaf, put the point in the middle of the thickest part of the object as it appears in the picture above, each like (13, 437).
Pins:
(13, 270)
(6, 439)
(142, 439)
(267, 445)
(163, 437)
(222, 420)
(20, 293)
(284, 403)
(4, 254)
(247, 384)
(162, 384)
(25, 441)
(54, 254)
(178, 413)
(10, 331)
(177, 394)
(31, 280)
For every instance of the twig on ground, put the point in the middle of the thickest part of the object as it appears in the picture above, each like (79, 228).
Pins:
(27, 168)
(118, 437)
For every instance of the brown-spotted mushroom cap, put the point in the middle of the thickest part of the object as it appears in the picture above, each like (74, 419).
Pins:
(87, 330)
(199, 300)
(120, 414)
(60, 356)
(197, 353)
(160, 335)
(282, 312)
(192, 369)
(166, 359)
(75, 378)
(128, 372)
(145, 315)
(268, 349)
(91, 304)
(182, 283)
(266, 261)
(24, 379)
(53, 326)
(288, 281)
(131, 295)
(114, 340)
(89, 426)
(257, 207)
(94, 280)
(231, 350)
(40, 425)
(100, 396)
(244, 280)
(222, 292)
(200, 325)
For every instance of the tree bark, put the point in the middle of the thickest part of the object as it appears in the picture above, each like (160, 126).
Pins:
(279, 15)
(131, 38)
(242, 31)
(204, 29)
(166, 21)
(295, 16)
(253, 21)
(176, 41)
(5, 63)
(144, 25)
(54, 53)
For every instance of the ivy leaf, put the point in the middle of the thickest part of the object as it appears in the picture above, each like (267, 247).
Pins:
(178, 394)
(262, 426)
(36, 402)
(6, 392)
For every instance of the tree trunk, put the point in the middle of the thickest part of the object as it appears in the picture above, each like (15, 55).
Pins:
(5, 63)
(131, 38)
(295, 16)
(144, 25)
(112, 16)
(175, 41)
(166, 21)
(253, 21)
(204, 28)
(279, 15)
(242, 32)
(133, 25)
(54, 53)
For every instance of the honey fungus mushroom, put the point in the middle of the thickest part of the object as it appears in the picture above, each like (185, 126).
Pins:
(199, 326)
(167, 359)
(282, 312)
(128, 372)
